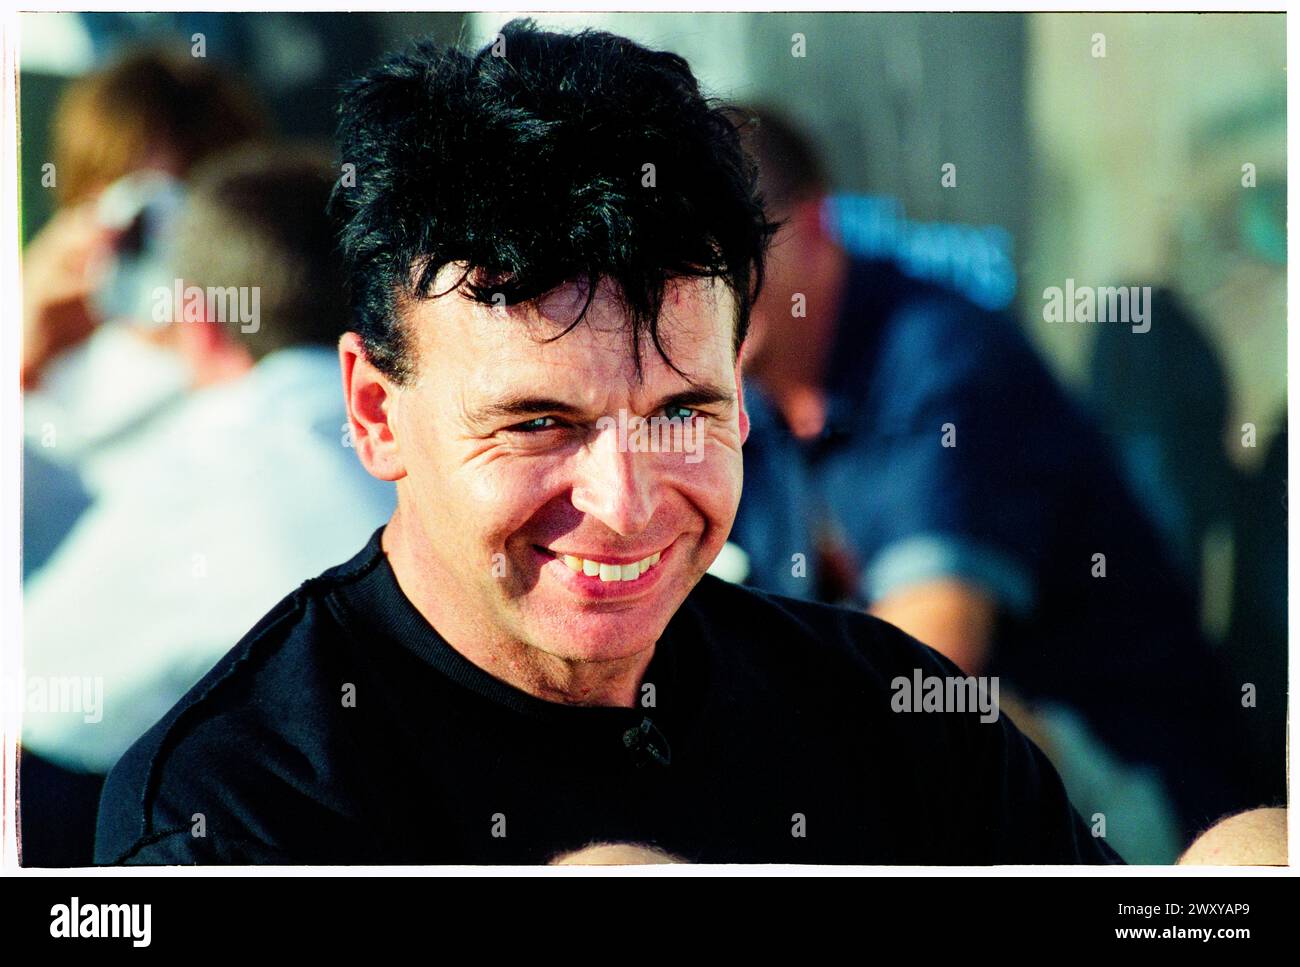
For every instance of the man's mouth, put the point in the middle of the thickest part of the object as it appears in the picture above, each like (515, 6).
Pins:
(606, 571)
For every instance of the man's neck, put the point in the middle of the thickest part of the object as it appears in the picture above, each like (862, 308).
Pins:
(540, 674)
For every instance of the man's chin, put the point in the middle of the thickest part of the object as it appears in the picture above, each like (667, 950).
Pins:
(608, 635)
(562, 616)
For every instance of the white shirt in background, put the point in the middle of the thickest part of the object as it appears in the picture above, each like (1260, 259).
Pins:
(200, 523)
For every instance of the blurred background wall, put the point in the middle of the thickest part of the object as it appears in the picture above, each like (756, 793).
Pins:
(1137, 172)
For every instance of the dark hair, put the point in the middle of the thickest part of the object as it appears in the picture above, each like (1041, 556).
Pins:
(789, 167)
(255, 216)
(524, 161)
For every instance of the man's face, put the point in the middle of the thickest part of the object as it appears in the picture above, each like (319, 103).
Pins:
(521, 486)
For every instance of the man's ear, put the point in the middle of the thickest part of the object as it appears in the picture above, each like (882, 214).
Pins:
(740, 398)
(371, 399)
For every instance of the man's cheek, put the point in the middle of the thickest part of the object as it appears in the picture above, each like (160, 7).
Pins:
(482, 480)
(713, 484)
(499, 500)
(486, 490)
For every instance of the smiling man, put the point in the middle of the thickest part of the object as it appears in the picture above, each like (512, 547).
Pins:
(547, 241)
(546, 549)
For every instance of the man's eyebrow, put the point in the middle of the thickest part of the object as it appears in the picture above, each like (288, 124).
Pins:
(523, 406)
(702, 394)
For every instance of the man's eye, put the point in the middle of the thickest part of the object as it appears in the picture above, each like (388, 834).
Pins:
(535, 424)
(685, 412)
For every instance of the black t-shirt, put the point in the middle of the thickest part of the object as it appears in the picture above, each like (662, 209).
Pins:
(344, 730)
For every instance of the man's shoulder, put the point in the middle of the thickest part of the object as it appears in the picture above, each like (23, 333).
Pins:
(846, 675)
(240, 713)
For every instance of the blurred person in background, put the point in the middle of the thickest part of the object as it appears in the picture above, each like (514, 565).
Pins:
(149, 111)
(139, 123)
(124, 138)
(958, 493)
(201, 518)
(1166, 401)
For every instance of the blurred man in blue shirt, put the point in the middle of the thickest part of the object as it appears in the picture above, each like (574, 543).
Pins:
(976, 507)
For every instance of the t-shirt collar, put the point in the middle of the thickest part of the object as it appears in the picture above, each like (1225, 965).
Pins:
(374, 602)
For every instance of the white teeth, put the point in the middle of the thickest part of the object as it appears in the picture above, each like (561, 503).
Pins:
(610, 572)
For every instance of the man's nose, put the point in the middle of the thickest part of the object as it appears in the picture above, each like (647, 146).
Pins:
(616, 486)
